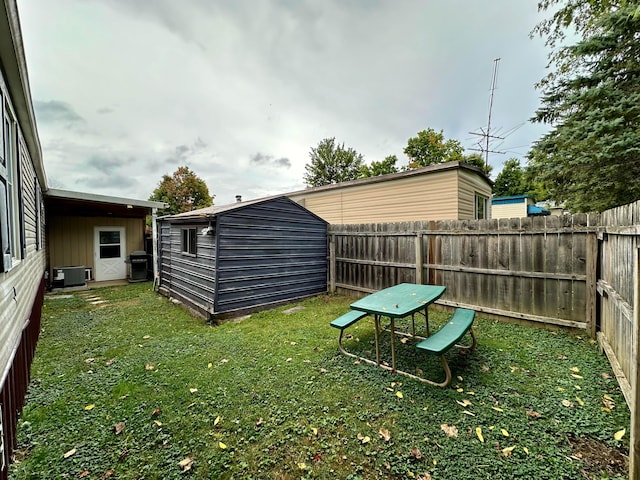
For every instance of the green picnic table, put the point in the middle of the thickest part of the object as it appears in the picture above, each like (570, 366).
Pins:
(401, 301)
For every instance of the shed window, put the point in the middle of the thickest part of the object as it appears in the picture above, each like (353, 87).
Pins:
(481, 207)
(189, 241)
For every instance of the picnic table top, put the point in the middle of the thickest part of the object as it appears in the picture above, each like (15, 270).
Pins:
(400, 300)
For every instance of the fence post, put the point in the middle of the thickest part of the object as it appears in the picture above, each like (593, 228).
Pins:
(419, 258)
(591, 313)
(634, 443)
(332, 263)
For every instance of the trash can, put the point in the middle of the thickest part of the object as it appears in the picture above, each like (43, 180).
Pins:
(137, 261)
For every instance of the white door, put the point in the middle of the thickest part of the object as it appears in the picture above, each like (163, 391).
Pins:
(109, 253)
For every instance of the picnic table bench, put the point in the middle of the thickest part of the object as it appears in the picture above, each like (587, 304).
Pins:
(401, 301)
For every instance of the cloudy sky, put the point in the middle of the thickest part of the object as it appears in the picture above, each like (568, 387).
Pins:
(240, 90)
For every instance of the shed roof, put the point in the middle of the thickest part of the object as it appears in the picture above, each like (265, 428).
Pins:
(212, 211)
(509, 199)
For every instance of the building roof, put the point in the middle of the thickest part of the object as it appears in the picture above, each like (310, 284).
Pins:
(66, 202)
(439, 167)
(509, 200)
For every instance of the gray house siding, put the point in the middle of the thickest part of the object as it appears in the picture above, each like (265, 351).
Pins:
(258, 254)
(269, 253)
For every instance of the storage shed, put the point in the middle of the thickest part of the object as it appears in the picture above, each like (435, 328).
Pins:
(243, 256)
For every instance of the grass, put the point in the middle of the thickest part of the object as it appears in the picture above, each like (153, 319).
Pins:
(135, 387)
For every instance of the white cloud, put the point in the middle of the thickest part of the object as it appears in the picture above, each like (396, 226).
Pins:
(240, 90)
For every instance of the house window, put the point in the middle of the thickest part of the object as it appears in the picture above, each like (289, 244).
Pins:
(189, 241)
(9, 232)
(481, 207)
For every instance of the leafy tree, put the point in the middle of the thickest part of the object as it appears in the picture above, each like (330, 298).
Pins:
(430, 147)
(591, 158)
(388, 165)
(183, 191)
(510, 180)
(476, 160)
(332, 163)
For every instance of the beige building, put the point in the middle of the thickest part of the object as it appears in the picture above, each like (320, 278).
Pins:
(515, 206)
(446, 191)
(95, 233)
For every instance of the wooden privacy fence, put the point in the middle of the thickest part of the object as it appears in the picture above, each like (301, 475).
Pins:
(538, 269)
(580, 271)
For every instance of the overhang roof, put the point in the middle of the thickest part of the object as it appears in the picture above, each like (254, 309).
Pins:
(65, 202)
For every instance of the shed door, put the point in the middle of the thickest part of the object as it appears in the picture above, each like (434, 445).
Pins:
(109, 253)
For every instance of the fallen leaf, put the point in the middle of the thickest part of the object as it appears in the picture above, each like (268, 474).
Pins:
(107, 474)
(69, 453)
(209, 365)
(259, 422)
(83, 473)
(459, 378)
(485, 368)
(217, 420)
(288, 359)
(317, 457)
(425, 476)
(385, 434)
(186, 464)
(471, 393)
(302, 466)
(580, 401)
(123, 455)
(90, 407)
(416, 453)
(399, 394)
(224, 360)
(526, 450)
(562, 357)
(513, 368)
(363, 438)
(608, 402)
(498, 409)
(90, 360)
(110, 362)
(148, 366)
(567, 403)
(504, 432)
(146, 337)
(575, 369)
(507, 451)
(534, 414)
(575, 375)
(404, 340)
(118, 427)
(323, 370)
(193, 390)
(467, 412)
(449, 430)
(222, 445)
(158, 423)
(619, 434)
(156, 412)
(464, 403)
(479, 434)
(314, 430)
(606, 376)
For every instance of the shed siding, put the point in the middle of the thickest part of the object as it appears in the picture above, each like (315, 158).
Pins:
(425, 197)
(268, 253)
(510, 210)
(470, 185)
(188, 278)
(71, 239)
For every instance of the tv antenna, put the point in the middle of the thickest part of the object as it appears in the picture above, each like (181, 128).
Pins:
(483, 143)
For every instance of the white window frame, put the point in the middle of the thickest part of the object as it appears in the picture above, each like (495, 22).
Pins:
(483, 213)
(12, 184)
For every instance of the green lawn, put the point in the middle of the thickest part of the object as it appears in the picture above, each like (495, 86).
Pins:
(134, 387)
